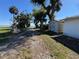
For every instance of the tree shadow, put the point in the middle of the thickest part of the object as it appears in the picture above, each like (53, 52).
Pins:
(4, 37)
(15, 40)
(69, 42)
(18, 39)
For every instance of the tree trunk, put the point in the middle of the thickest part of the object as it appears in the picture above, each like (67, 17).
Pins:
(14, 26)
(41, 25)
(44, 6)
(50, 14)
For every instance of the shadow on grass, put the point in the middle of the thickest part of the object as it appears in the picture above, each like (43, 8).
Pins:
(4, 37)
(69, 42)
(15, 39)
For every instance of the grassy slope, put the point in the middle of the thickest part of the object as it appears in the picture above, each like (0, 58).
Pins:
(57, 50)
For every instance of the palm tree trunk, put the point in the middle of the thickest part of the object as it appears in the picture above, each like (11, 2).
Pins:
(51, 16)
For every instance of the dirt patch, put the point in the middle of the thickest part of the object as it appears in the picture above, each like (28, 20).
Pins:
(38, 49)
(21, 51)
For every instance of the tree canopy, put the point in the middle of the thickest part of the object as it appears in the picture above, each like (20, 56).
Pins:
(53, 6)
(39, 16)
(21, 20)
(13, 10)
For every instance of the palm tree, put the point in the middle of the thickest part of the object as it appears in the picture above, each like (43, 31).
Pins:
(56, 4)
(53, 6)
(13, 10)
(40, 2)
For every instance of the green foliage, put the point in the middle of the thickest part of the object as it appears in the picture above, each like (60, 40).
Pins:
(22, 20)
(54, 6)
(5, 33)
(13, 10)
(38, 1)
(39, 16)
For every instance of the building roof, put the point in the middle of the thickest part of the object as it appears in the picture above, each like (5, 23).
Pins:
(71, 18)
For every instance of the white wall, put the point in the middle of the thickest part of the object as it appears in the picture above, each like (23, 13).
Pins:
(71, 28)
(53, 26)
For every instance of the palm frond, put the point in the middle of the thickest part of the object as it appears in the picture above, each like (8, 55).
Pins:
(13, 10)
(38, 1)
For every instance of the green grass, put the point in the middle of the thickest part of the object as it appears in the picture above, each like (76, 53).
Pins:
(56, 49)
(4, 29)
(4, 34)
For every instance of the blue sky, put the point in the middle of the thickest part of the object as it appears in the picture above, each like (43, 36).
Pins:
(69, 8)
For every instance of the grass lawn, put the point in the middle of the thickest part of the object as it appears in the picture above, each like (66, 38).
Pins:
(4, 30)
(56, 49)
(4, 33)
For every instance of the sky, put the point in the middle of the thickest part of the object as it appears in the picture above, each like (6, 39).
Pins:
(69, 8)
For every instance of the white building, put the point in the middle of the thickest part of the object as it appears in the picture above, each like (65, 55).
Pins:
(71, 26)
(56, 26)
